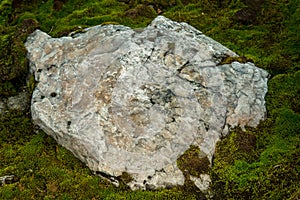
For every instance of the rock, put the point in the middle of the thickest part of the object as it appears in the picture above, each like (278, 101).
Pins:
(19, 102)
(134, 101)
(8, 179)
(202, 182)
(2, 107)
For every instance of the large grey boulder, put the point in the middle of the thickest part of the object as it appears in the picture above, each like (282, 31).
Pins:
(133, 101)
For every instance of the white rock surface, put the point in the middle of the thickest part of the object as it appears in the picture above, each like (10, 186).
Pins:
(133, 101)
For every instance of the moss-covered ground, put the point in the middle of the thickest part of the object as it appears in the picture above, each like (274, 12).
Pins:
(261, 163)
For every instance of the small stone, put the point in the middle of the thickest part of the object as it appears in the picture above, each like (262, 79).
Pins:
(19, 102)
(202, 182)
(8, 179)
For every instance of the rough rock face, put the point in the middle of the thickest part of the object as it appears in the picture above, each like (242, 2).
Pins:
(133, 101)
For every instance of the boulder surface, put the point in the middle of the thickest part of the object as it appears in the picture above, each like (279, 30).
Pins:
(134, 100)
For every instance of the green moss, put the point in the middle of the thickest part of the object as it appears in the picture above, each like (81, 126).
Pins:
(15, 127)
(239, 145)
(7, 89)
(287, 123)
(273, 170)
(229, 60)
(284, 92)
(125, 177)
(5, 10)
(191, 163)
(141, 11)
(13, 62)
(26, 16)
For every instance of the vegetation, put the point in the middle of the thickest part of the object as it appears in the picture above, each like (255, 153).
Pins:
(261, 163)
(191, 163)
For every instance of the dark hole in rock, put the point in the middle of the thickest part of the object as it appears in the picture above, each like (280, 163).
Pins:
(42, 97)
(49, 67)
(152, 101)
(206, 127)
(69, 124)
(168, 186)
(53, 94)
(149, 187)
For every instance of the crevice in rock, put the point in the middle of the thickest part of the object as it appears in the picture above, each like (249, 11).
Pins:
(196, 84)
(223, 134)
(149, 57)
(183, 66)
(113, 179)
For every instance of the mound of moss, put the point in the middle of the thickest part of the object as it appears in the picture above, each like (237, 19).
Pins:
(261, 163)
